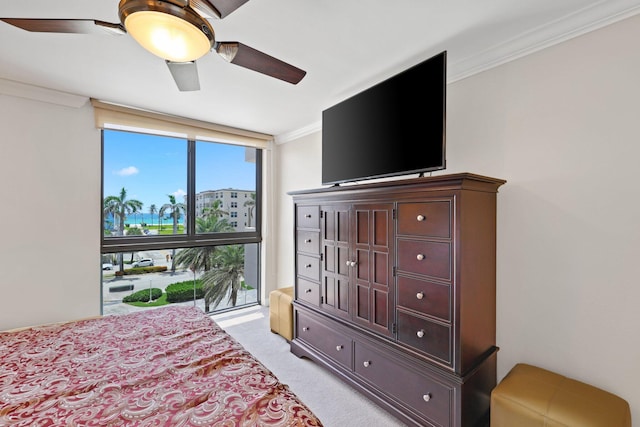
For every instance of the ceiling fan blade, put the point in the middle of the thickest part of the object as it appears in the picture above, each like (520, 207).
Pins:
(185, 75)
(248, 57)
(215, 8)
(75, 26)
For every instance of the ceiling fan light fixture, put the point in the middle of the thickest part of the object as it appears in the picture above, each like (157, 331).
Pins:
(171, 32)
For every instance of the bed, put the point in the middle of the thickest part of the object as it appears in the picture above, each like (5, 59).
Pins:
(170, 366)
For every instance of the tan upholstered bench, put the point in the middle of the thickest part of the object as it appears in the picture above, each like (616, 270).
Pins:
(281, 312)
(529, 396)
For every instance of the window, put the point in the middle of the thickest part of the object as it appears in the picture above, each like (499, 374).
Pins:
(167, 222)
(144, 184)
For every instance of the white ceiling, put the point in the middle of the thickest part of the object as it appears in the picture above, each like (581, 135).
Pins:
(344, 45)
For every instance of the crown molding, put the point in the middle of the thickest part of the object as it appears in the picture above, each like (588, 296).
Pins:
(299, 133)
(588, 19)
(37, 93)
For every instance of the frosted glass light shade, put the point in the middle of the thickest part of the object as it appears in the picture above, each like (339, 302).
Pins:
(167, 36)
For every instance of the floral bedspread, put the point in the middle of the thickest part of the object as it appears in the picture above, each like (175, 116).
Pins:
(171, 366)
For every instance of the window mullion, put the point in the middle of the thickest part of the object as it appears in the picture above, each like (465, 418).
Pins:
(191, 189)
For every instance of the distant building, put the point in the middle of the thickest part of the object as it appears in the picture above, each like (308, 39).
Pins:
(240, 214)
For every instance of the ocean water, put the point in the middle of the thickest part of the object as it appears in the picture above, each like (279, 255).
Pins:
(149, 219)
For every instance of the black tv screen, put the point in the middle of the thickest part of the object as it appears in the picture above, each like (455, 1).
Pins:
(396, 127)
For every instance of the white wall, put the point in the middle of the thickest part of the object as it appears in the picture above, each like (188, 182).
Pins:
(50, 219)
(297, 167)
(562, 126)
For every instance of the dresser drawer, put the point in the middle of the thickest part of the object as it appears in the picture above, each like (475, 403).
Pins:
(422, 334)
(428, 219)
(324, 338)
(308, 241)
(433, 299)
(308, 291)
(309, 267)
(419, 391)
(427, 258)
(308, 216)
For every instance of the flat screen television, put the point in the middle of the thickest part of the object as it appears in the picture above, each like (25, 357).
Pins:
(396, 127)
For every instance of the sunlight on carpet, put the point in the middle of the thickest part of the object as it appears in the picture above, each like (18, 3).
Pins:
(238, 317)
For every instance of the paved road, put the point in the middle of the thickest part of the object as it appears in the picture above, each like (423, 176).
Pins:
(112, 301)
(143, 281)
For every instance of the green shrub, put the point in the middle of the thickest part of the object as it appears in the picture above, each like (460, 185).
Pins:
(183, 291)
(142, 270)
(143, 295)
(157, 303)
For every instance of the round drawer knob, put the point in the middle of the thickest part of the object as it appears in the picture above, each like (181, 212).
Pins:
(307, 240)
(307, 216)
(339, 347)
(420, 257)
(426, 397)
(353, 264)
(367, 363)
(305, 329)
(420, 295)
(420, 333)
(307, 291)
(308, 266)
(420, 218)
(348, 263)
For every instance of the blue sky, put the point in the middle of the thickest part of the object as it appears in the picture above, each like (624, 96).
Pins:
(150, 167)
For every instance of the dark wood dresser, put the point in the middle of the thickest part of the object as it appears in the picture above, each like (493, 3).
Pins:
(395, 292)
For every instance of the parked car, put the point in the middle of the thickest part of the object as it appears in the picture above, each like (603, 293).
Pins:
(144, 262)
(107, 266)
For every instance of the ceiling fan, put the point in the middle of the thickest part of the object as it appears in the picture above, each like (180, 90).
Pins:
(177, 31)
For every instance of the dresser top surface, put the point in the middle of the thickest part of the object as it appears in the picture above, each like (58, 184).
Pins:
(463, 180)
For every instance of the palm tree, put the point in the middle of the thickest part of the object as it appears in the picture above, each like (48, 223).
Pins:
(201, 258)
(213, 224)
(134, 231)
(251, 204)
(195, 259)
(226, 278)
(153, 210)
(175, 211)
(120, 207)
(215, 209)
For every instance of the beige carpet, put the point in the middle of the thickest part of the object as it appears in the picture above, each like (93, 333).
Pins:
(333, 401)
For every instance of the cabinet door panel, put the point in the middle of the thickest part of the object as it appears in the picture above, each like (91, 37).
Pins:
(335, 224)
(336, 297)
(372, 231)
(362, 302)
(335, 249)
(362, 227)
(380, 302)
(362, 267)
